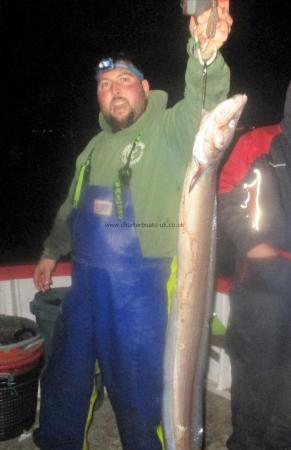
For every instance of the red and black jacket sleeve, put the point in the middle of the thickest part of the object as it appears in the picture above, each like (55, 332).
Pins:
(249, 209)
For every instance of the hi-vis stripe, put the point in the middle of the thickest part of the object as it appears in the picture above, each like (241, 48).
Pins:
(253, 199)
(83, 174)
(171, 286)
(80, 182)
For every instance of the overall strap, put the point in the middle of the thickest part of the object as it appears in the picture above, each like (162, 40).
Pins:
(82, 179)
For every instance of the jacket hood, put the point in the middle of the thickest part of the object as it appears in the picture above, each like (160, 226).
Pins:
(286, 121)
(157, 102)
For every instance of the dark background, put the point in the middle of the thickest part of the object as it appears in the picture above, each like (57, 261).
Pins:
(48, 51)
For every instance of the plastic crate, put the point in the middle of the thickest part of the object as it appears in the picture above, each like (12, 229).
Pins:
(18, 401)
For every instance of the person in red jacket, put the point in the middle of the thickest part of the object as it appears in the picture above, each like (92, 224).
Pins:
(255, 212)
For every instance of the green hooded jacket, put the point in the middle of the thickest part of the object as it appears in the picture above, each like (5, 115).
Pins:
(166, 137)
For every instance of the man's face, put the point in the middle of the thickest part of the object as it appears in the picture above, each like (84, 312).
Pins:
(122, 97)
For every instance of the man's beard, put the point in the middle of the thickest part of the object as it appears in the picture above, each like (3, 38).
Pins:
(126, 121)
(119, 124)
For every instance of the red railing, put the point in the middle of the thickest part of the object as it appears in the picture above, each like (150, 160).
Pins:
(22, 271)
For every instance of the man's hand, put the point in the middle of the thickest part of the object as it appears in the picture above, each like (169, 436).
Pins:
(268, 272)
(198, 29)
(262, 251)
(43, 274)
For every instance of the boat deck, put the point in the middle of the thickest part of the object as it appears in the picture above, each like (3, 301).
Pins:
(103, 434)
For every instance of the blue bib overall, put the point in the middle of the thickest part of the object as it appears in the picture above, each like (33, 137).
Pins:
(116, 312)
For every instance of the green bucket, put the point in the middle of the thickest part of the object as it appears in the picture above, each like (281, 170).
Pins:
(46, 308)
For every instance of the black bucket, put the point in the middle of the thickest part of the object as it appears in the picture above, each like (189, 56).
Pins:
(21, 346)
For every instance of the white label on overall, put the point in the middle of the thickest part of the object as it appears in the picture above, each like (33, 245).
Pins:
(102, 207)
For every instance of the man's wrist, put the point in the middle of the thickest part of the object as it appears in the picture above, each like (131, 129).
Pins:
(206, 56)
(49, 254)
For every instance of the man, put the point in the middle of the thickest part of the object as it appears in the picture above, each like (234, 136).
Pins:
(119, 221)
(254, 207)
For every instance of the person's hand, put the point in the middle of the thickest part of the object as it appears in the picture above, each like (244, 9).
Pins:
(268, 271)
(43, 274)
(262, 251)
(198, 29)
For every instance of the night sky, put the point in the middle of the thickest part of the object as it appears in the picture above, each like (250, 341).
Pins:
(48, 50)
